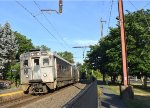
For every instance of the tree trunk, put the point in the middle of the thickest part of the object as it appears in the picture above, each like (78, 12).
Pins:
(122, 79)
(114, 79)
(103, 76)
(145, 81)
(111, 78)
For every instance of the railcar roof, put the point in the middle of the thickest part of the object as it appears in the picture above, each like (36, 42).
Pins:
(56, 55)
(49, 53)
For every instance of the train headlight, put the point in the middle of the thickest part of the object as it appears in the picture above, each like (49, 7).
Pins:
(44, 74)
(27, 76)
(38, 54)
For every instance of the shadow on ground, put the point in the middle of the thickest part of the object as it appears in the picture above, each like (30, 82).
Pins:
(108, 98)
(111, 100)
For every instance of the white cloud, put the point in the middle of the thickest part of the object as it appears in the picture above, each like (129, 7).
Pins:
(79, 42)
(85, 42)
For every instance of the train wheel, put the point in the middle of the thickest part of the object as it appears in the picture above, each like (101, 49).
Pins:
(26, 92)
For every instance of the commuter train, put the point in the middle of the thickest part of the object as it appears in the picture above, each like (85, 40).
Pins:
(42, 71)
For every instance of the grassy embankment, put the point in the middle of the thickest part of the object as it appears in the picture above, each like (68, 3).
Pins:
(141, 96)
(99, 92)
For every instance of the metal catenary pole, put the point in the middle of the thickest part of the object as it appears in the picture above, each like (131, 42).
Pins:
(101, 24)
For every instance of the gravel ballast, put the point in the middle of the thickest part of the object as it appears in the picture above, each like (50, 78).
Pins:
(58, 99)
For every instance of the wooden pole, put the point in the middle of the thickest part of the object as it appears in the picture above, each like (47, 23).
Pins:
(123, 43)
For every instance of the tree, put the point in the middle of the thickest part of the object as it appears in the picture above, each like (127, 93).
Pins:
(139, 31)
(66, 55)
(13, 73)
(43, 48)
(107, 55)
(78, 65)
(24, 44)
(8, 48)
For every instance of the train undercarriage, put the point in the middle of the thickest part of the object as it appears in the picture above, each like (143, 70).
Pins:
(37, 87)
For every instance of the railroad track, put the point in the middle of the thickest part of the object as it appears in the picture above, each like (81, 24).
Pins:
(17, 102)
(28, 99)
(24, 100)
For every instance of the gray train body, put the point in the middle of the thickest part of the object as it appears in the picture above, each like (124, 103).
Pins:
(42, 71)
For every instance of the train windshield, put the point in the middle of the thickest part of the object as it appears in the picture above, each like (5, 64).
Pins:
(25, 64)
(36, 61)
(45, 61)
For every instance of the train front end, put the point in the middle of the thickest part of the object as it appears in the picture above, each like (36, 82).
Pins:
(36, 71)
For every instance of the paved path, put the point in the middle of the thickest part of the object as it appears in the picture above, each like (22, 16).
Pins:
(109, 99)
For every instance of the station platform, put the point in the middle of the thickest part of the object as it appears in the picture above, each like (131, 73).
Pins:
(2, 91)
(9, 94)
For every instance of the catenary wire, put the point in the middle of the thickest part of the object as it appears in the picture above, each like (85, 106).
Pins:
(110, 13)
(142, 13)
(38, 6)
(36, 19)
(146, 5)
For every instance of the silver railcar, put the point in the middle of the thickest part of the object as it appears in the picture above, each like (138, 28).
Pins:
(42, 71)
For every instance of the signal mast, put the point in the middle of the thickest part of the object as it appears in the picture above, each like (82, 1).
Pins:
(51, 10)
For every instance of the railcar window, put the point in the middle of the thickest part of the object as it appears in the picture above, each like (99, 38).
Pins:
(58, 66)
(63, 68)
(45, 61)
(25, 71)
(25, 63)
(36, 62)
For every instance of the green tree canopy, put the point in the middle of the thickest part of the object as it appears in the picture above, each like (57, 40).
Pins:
(106, 56)
(43, 48)
(8, 48)
(66, 55)
(24, 44)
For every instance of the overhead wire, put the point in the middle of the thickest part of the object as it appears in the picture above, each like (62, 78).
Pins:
(36, 19)
(142, 13)
(110, 13)
(146, 5)
(46, 18)
(146, 19)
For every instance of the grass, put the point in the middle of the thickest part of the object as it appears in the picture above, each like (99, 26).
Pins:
(114, 88)
(141, 96)
(99, 92)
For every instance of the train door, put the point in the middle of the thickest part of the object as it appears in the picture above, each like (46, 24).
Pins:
(36, 73)
(47, 69)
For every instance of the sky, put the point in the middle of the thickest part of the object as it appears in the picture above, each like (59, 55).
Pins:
(78, 25)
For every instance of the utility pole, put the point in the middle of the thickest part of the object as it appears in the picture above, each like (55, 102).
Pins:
(83, 47)
(126, 91)
(101, 24)
(123, 43)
